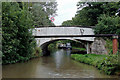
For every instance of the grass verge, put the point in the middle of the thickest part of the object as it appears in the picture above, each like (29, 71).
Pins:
(81, 49)
(105, 63)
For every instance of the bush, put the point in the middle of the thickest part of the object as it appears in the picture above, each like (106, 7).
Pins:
(109, 64)
(37, 52)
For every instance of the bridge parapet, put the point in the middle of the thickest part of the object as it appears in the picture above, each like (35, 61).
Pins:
(49, 31)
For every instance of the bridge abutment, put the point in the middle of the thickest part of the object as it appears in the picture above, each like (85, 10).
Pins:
(88, 48)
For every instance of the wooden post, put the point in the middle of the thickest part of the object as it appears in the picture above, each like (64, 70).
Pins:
(115, 44)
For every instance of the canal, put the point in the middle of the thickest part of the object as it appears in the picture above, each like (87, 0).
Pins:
(57, 65)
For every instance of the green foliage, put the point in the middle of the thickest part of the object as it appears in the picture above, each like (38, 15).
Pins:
(18, 20)
(89, 15)
(52, 46)
(49, 7)
(90, 12)
(106, 63)
(109, 64)
(109, 46)
(41, 13)
(17, 41)
(67, 23)
(37, 52)
(0, 14)
(81, 49)
(108, 25)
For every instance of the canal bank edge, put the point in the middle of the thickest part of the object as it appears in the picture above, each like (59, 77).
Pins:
(105, 63)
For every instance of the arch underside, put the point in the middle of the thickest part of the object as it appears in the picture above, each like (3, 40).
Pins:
(44, 42)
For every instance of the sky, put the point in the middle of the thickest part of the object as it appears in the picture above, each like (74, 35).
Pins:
(66, 10)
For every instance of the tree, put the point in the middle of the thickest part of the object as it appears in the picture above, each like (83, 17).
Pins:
(42, 12)
(17, 41)
(49, 7)
(108, 25)
(67, 23)
(91, 11)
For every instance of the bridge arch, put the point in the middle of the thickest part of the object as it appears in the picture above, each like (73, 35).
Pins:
(63, 31)
(44, 46)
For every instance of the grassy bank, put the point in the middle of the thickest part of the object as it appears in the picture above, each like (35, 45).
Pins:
(105, 63)
(81, 49)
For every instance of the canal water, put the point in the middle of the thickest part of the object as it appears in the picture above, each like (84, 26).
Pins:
(57, 65)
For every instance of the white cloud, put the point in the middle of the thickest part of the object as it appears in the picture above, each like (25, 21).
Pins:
(66, 10)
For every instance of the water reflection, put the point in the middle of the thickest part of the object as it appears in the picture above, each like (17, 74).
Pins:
(68, 52)
(59, 57)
